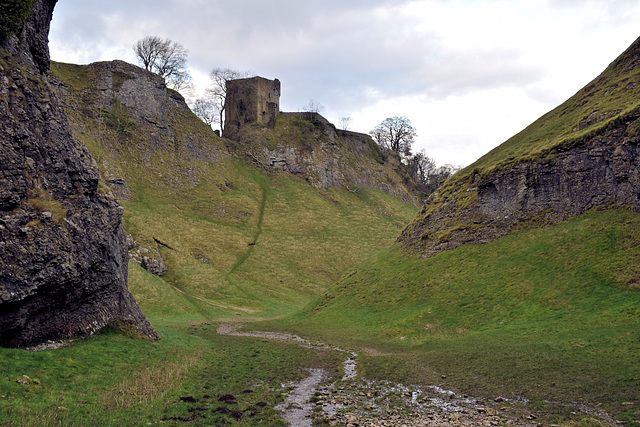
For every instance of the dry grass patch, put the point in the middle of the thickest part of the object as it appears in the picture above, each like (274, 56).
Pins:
(153, 383)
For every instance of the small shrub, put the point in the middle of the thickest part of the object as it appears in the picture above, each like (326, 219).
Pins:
(118, 119)
(118, 79)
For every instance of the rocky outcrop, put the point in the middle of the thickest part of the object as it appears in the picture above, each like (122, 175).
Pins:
(150, 260)
(602, 169)
(584, 154)
(128, 112)
(308, 145)
(63, 256)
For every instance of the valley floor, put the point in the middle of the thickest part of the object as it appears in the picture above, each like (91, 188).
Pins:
(317, 400)
(537, 328)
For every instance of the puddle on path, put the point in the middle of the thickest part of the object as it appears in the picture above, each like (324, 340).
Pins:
(357, 401)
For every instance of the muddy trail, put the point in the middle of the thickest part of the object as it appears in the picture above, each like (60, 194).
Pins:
(355, 401)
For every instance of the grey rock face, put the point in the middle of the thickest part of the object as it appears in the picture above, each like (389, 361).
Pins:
(338, 159)
(599, 170)
(63, 255)
(156, 119)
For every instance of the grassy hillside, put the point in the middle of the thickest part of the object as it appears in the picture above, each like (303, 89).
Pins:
(237, 239)
(612, 94)
(547, 315)
(239, 243)
(273, 242)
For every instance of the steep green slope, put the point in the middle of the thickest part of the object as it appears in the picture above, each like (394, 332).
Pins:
(611, 95)
(237, 239)
(286, 244)
(519, 278)
(549, 315)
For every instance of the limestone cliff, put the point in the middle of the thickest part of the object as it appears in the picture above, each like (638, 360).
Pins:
(308, 145)
(584, 154)
(124, 112)
(141, 133)
(63, 255)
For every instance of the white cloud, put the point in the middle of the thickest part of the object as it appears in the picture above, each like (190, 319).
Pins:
(467, 73)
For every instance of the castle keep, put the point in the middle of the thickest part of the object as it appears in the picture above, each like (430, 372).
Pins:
(248, 101)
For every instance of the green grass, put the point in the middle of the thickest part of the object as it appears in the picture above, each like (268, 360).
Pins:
(280, 244)
(113, 380)
(547, 314)
(611, 95)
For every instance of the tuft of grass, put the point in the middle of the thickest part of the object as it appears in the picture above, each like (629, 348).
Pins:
(118, 119)
(150, 384)
(41, 201)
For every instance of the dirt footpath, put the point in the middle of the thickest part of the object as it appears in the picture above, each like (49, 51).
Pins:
(352, 401)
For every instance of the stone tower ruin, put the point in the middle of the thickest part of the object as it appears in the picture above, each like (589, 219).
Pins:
(249, 101)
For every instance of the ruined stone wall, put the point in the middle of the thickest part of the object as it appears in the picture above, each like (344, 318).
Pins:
(249, 101)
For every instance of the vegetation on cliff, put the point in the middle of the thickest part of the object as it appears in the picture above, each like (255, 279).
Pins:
(612, 95)
(238, 238)
(581, 155)
(12, 16)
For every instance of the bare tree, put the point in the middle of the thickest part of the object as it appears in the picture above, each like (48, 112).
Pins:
(166, 58)
(313, 106)
(147, 51)
(217, 92)
(421, 167)
(313, 109)
(423, 172)
(344, 122)
(205, 109)
(395, 134)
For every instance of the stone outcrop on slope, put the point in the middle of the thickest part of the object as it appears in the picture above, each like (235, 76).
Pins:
(603, 170)
(134, 116)
(63, 255)
(308, 145)
(598, 167)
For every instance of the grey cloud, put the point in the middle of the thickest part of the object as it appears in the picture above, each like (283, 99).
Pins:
(613, 11)
(333, 51)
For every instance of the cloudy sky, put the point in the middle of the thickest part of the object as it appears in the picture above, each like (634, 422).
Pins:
(467, 73)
